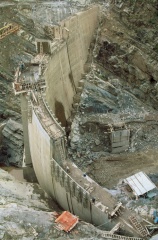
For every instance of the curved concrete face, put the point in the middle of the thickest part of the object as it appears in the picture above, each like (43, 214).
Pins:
(41, 153)
(71, 189)
(55, 180)
(66, 64)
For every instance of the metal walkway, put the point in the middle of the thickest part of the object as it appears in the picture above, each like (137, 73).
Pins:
(138, 226)
(22, 87)
(115, 237)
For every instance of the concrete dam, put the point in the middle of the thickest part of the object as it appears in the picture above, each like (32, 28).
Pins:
(50, 91)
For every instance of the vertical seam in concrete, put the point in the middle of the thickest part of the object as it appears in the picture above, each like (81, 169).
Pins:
(68, 201)
(54, 189)
(70, 67)
(63, 78)
(91, 212)
(24, 111)
(80, 39)
(52, 177)
(71, 204)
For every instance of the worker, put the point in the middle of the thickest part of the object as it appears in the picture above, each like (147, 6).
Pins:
(22, 66)
(93, 199)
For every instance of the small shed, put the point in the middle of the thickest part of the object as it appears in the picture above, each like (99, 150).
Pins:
(119, 140)
(66, 221)
(140, 183)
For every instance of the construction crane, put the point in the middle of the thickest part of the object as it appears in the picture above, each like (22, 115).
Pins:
(8, 29)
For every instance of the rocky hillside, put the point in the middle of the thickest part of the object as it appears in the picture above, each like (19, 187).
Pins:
(26, 213)
(120, 90)
(128, 47)
(12, 150)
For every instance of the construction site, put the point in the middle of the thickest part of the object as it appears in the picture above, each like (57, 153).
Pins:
(79, 119)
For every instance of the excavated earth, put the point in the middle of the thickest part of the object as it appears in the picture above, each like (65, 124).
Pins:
(120, 86)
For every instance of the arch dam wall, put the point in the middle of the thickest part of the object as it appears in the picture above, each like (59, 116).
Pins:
(47, 144)
(44, 137)
(67, 61)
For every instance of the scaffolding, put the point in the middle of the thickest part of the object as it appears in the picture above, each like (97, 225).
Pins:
(22, 87)
(8, 29)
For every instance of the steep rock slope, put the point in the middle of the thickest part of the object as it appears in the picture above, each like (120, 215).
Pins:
(120, 91)
(12, 143)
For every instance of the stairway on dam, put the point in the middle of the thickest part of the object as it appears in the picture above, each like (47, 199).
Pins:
(41, 87)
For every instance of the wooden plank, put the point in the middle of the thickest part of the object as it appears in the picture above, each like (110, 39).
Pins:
(119, 149)
(120, 144)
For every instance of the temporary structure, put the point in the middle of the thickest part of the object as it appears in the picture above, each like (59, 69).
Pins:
(140, 183)
(66, 221)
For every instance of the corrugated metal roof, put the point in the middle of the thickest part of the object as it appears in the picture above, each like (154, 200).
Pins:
(66, 221)
(140, 183)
